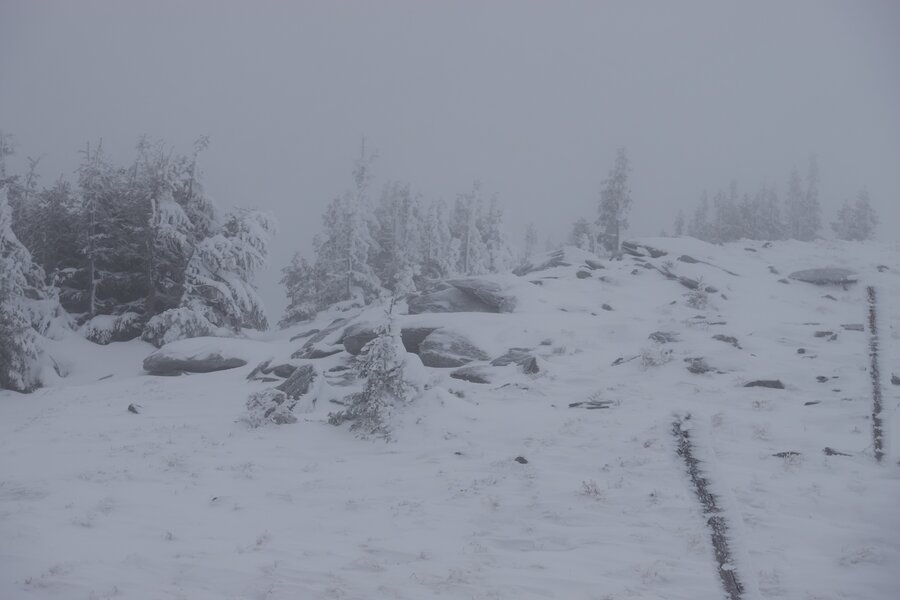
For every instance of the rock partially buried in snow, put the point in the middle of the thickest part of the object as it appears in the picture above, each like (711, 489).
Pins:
(196, 355)
(356, 336)
(299, 383)
(444, 349)
(825, 276)
(476, 374)
(462, 295)
(512, 356)
(774, 384)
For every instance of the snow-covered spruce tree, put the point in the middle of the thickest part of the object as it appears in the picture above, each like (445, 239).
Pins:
(302, 285)
(531, 243)
(464, 226)
(500, 255)
(381, 364)
(809, 204)
(399, 223)
(19, 350)
(439, 253)
(219, 297)
(856, 221)
(615, 202)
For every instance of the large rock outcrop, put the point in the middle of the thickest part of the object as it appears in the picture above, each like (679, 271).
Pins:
(462, 295)
(446, 349)
(196, 355)
(826, 276)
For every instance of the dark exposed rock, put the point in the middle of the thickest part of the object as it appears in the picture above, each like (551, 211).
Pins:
(299, 382)
(162, 363)
(786, 454)
(583, 274)
(688, 259)
(832, 452)
(592, 404)
(606, 307)
(316, 353)
(304, 334)
(821, 334)
(444, 349)
(773, 270)
(259, 369)
(784, 281)
(664, 337)
(521, 460)
(356, 336)
(774, 384)
(826, 276)
(134, 408)
(830, 297)
(462, 295)
(284, 370)
(413, 336)
(476, 374)
(635, 249)
(854, 327)
(313, 347)
(530, 366)
(882, 268)
(512, 356)
(697, 366)
(750, 249)
(728, 339)
(895, 379)
(812, 403)
(801, 350)
(821, 378)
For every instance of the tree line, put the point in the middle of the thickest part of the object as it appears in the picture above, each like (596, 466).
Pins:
(138, 249)
(394, 243)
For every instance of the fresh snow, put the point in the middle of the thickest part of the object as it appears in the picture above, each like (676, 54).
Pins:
(183, 500)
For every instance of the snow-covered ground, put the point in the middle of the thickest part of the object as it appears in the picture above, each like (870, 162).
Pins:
(182, 500)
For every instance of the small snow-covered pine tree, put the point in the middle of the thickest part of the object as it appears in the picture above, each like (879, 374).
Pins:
(381, 364)
(302, 286)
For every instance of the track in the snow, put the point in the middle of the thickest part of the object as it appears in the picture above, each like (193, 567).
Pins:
(875, 372)
(717, 524)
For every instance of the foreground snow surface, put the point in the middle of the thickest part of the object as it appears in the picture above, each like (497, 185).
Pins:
(183, 501)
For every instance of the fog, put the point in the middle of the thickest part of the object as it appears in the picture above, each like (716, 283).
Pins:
(530, 98)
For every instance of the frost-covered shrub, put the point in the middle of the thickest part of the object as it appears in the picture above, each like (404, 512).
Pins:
(269, 406)
(104, 329)
(655, 355)
(177, 324)
(698, 298)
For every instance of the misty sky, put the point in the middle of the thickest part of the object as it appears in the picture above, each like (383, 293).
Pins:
(530, 98)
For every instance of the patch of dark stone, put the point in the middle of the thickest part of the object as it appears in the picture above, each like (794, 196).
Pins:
(592, 404)
(310, 350)
(635, 249)
(832, 452)
(882, 268)
(854, 327)
(299, 382)
(821, 378)
(895, 379)
(606, 307)
(826, 276)
(750, 249)
(134, 408)
(304, 334)
(801, 350)
(875, 373)
(774, 384)
(786, 454)
(709, 502)
(698, 366)
(728, 339)
(622, 360)
(521, 460)
(784, 281)
(812, 403)
(830, 297)
(159, 363)
(664, 337)
(773, 270)
(583, 274)
(821, 334)
(472, 374)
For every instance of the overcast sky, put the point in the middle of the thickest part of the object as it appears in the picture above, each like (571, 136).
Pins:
(530, 98)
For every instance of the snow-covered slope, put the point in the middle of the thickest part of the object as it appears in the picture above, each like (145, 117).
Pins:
(182, 500)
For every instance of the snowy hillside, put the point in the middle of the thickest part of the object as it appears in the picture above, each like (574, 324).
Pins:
(560, 476)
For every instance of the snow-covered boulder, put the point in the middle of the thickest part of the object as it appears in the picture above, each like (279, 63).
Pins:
(826, 276)
(445, 349)
(104, 329)
(356, 336)
(567, 258)
(463, 295)
(202, 355)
